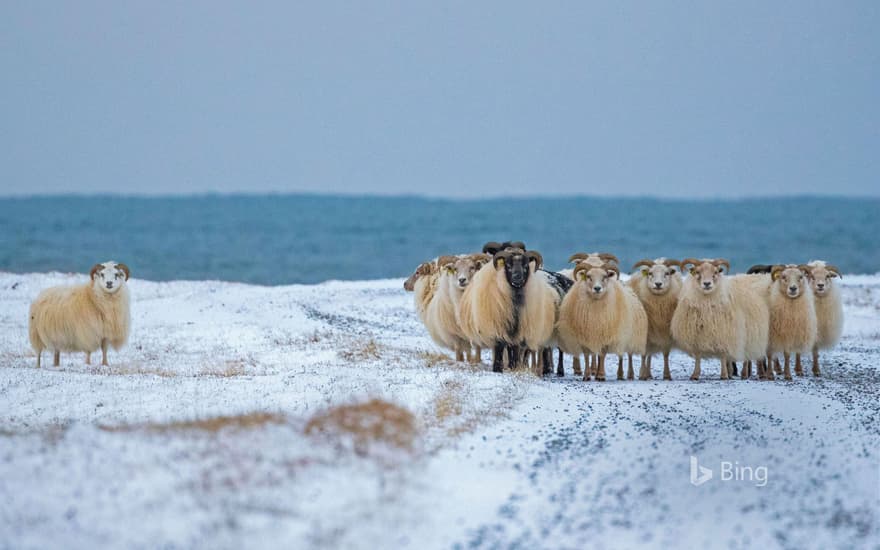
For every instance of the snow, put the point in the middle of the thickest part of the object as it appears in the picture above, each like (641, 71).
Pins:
(99, 456)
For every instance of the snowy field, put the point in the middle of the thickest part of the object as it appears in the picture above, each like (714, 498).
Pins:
(241, 416)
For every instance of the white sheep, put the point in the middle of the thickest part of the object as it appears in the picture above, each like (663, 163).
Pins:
(506, 307)
(719, 316)
(829, 309)
(423, 283)
(83, 318)
(792, 315)
(455, 273)
(657, 284)
(601, 315)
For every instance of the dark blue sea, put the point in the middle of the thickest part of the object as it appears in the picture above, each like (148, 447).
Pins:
(278, 239)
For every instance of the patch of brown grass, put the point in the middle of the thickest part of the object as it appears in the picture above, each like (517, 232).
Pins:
(207, 425)
(367, 424)
(362, 351)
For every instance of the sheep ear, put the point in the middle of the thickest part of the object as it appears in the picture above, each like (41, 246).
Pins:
(693, 271)
(125, 270)
(95, 269)
(644, 271)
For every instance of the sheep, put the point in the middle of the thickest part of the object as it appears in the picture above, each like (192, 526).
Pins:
(601, 315)
(506, 307)
(596, 259)
(657, 284)
(719, 316)
(423, 282)
(792, 314)
(83, 317)
(455, 273)
(829, 309)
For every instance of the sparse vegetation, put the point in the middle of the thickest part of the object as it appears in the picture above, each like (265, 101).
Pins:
(207, 425)
(375, 422)
(362, 351)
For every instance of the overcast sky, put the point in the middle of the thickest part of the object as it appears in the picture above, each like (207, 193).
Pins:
(462, 99)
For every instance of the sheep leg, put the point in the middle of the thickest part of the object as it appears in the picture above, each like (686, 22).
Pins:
(459, 355)
(776, 366)
(747, 370)
(39, 356)
(56, 359)
(816, 362)
(768, 369)
(104, 353)
(725, 374)
(514, 354)
(733, 371)
(646, 364)
(576, 364)
(560, 365)
(600, 369)
(798, 368)
(630, 374)
(696, 374)
(786, 357)
(620, 367)
(666, 374)
(498, 357)
(594, 365)
(477, 358)
(88, 358)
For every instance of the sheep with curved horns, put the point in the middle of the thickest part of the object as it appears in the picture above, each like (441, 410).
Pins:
(83, 317)
(602, 315)
(506, 307)
(720, 316)
(596, 259)
(657, 284)
(792, 314)
(829, 309)
(455, 273)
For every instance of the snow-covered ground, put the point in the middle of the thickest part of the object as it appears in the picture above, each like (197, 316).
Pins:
(219, 427)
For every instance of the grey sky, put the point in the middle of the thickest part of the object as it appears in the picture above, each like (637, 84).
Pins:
(445, 98)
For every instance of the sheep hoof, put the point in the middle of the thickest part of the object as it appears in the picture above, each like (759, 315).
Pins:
(816, 373)
(579, 372)
(788, 377)
(694, 377)
(600, 378)
(643, 378)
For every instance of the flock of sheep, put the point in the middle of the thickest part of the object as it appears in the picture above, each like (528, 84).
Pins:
(503, 299)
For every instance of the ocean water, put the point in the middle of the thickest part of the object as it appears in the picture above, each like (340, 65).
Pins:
(279, 239)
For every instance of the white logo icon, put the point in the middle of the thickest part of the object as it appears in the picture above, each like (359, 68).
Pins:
(699, 474)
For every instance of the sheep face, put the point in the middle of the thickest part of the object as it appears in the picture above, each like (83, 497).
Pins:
(658, 277)
(516, 266)
(109, 277)
(597, 279)
(423, 270)
(791, 280)
(463, 269)
(821, 275)
(708, 274)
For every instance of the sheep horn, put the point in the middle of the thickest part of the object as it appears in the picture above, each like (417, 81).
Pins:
(446, 261)
(514, 244)
(689, 261)
(534, 255)
(125, 270)
(833, 269)
(646, 262)
(578, 268)
(776, 270)
(578, 257)
(95, 268)
(668, 262)
(805, 269)
(606, 256)
(721, 261)
(500, 256)
(611, 267)
(492, 247)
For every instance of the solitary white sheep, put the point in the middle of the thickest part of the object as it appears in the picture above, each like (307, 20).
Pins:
(83, 317)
